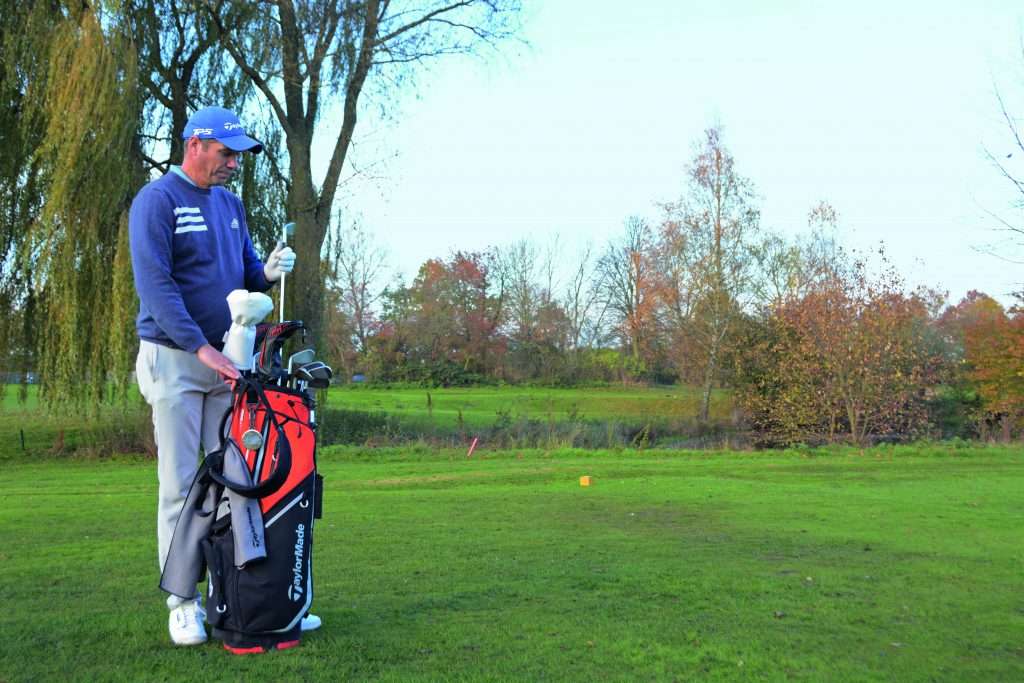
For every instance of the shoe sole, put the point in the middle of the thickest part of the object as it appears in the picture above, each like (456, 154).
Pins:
(259, 648)
(187, 643)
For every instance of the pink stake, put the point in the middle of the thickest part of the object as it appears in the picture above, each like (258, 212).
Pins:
(472, 447)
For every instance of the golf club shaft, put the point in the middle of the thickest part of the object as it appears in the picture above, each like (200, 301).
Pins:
(280, 317)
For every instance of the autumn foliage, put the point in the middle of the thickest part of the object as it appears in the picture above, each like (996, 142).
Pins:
(852, 359)
(992, 340)
(443, 328)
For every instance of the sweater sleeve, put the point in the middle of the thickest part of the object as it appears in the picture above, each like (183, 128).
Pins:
(150, 235)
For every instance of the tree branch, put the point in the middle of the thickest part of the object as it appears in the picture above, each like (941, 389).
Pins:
(424, 19)
(371, 24)
(315, 66)
(247, 68)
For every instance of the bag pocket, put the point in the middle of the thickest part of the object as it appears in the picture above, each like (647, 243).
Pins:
(222, 590)
(242, 599)
(318, 497)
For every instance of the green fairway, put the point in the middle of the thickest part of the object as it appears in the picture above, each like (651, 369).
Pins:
(481, 406)
(672, 566)
(523, 417)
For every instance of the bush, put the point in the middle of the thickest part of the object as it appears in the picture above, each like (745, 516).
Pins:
(955, 413)
(130, 431)
(340, 426)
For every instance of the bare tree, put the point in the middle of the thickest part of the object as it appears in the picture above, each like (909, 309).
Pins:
(627, 275)
(303, 56)
(1008, 161)
(519, 262)
(537, 326)
(580, 300)
(788, 269)
(357, 263)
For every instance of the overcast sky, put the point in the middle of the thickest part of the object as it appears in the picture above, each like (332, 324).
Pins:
(884, 109)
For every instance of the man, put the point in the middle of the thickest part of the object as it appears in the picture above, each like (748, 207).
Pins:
(190, 248)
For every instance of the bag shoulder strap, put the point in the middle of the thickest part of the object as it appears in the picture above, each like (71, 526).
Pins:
(282, 466)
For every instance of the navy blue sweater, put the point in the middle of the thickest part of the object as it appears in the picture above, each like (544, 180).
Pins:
(190, 249)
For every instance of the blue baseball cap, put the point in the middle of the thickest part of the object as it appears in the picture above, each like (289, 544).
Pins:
(219, 124)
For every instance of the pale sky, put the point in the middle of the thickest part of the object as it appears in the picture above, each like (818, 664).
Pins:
(883, 109)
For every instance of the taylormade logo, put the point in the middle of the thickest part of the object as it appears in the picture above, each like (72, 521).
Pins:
(253, 534)
(232, 126)
(295, 590)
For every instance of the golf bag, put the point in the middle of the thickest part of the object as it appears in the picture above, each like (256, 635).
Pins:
(257, 549)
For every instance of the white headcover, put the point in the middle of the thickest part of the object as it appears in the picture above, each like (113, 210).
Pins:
(247, 309)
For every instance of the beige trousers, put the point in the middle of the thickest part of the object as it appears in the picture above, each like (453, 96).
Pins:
(188, 401)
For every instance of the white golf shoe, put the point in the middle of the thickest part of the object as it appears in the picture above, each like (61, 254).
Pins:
(310, 622)
(186, 624)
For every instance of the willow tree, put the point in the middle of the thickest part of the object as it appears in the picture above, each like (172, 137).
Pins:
(22, 184)
(78, 241)
(303, 56)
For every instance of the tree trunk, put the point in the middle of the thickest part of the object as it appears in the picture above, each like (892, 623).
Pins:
(709, 381)
(304, 287)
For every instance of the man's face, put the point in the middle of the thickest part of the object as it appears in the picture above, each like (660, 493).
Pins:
(212, 162)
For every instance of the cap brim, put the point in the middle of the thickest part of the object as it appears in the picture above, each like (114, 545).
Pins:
(241, 143)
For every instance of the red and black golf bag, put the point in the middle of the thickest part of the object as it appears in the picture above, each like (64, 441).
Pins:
(248, 519)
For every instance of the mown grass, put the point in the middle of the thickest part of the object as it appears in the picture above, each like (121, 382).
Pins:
(518, 416)
(481, 406)
(820, 565)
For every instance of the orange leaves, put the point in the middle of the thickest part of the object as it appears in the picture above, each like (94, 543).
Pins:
(993, 350)
(853, 355)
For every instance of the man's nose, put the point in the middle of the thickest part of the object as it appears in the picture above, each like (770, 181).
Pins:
(233, 162)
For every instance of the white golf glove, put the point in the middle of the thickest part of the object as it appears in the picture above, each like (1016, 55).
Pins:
(280, 261)
(247, 309)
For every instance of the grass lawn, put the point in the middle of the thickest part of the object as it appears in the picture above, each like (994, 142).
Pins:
(525, 417)
(820, 566)
(482, 406)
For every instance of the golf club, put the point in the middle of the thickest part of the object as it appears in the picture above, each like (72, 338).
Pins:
(315, 374)
(296, 360)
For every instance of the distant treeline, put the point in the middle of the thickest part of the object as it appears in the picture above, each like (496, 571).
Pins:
(816, 343)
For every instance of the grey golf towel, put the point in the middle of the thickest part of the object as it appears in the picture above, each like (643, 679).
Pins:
(185, 561)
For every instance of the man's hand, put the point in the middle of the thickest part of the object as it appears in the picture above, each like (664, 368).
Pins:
(280, 261)
(215, 360)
